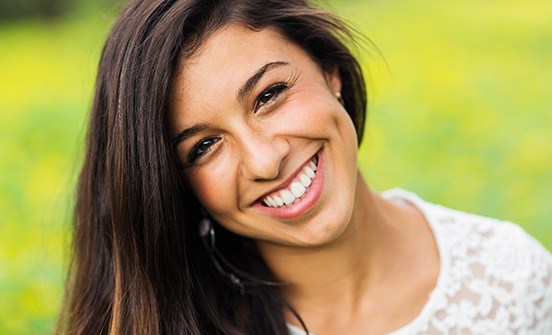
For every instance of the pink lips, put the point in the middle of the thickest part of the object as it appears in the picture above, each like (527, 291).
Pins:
(305, 203)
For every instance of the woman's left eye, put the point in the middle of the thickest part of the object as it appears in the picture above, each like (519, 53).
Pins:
(269, 95)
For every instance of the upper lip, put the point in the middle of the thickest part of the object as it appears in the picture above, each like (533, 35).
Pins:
(288, 180)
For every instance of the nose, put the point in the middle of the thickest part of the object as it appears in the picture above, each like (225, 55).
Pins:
(262, 155)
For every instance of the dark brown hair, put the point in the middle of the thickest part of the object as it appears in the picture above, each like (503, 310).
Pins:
(139, 265)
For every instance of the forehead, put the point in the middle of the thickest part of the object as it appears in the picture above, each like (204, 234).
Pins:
(226, 59)
(235, 45)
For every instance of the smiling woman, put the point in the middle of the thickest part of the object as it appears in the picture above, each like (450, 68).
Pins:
(221, 195)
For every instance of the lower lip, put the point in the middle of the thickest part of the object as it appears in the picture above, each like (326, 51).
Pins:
(305, 203)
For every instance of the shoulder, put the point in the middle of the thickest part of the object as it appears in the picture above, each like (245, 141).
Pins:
(503, 264)
(503, 247)
(505, 250)
(502, 273)
(499, 243)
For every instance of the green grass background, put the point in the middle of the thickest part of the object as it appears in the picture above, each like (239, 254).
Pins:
(460, 112)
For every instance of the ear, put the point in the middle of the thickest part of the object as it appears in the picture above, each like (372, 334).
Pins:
(333, 79)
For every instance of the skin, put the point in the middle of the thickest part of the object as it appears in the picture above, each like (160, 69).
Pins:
(354, 261)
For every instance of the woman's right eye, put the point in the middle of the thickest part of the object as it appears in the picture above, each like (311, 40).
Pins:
(201, 148)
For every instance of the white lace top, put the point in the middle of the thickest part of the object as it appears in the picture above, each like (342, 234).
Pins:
(493, 277)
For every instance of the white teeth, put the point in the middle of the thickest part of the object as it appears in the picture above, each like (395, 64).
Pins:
(306, 181)
(287, 197)
(278, 201)
(309, 172)
(269, 201)
(297, 189)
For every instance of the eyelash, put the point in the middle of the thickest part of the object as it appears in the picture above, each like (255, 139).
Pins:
(271, 93)
(194, 154)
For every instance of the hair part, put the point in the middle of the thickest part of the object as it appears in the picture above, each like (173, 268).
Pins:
(138, 264)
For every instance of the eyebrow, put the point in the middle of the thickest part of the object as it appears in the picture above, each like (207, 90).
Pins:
(242, 94)
(187, 133)
(254, 79)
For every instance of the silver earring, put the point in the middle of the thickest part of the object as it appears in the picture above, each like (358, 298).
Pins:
(206, 230)
(207, 233)
(339, 97)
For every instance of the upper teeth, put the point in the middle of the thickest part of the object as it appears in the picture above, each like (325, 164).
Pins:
(295, 190)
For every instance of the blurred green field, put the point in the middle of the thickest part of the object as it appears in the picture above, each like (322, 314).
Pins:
(460, 113)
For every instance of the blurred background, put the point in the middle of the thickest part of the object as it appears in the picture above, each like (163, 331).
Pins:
(460, 113)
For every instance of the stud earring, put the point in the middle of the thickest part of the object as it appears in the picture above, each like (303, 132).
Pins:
(339, 98)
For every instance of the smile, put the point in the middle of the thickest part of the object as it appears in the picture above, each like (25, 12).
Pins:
(296, 189)
(299, 196)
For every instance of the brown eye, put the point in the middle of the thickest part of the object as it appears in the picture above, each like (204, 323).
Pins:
(269, 95)
(201, 148)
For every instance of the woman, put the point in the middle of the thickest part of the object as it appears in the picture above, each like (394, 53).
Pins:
(220, 194)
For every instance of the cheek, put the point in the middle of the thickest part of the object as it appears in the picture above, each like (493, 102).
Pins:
(207, 183)
(346, 130)
(325, 118)
(312, 111)
(313, 106)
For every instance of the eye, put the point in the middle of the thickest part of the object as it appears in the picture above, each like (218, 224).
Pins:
(269, 95)
(201, 148)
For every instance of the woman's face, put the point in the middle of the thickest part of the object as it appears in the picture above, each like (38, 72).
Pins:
(268, 149)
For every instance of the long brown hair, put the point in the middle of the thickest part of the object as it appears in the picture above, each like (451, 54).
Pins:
(139, 265)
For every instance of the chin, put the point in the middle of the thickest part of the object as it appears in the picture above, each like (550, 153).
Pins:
(329, 225)
(324, 231)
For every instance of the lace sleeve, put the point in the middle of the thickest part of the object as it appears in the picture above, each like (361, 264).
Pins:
(495, 279)
(517, 281)
(538, 290)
